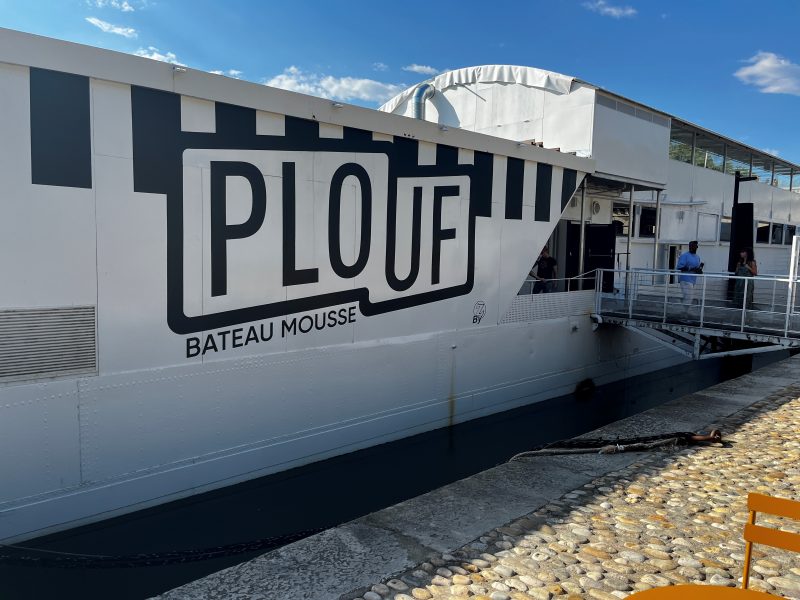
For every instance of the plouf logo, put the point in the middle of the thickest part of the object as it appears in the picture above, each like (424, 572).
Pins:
(263, 226)
(478, 311)
(266, 222)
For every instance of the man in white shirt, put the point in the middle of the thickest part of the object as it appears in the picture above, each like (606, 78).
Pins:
(689, 262)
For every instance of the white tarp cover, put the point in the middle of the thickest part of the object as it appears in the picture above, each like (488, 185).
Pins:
(528, 76)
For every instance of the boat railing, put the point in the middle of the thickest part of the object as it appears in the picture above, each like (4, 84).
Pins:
(761, 304)
(584, 281)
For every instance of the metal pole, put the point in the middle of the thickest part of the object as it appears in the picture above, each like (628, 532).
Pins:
(628, 243)
(724, 157)
(790, 287)
(655, 241)
(733, 253)
(630, 230)
(582, 245)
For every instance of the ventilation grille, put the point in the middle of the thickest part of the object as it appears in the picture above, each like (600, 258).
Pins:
(47, 342)
(535, 307)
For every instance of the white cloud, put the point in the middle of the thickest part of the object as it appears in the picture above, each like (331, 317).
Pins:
(128, 32)
(235, 73)
(379, 66)
(771, 74)
(124, 6)
(772, 151)
(421, 69)
(609, 10)
(155, 54)
(339, 88)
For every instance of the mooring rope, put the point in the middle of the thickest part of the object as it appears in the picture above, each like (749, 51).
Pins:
(617, 445)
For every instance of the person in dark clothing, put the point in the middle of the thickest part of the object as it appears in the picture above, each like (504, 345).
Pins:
(544, 271)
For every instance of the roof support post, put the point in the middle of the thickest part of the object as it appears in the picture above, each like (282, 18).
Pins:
(582, 244)
(628, 245)
(724, 158)
(657, 227)
(630, 229)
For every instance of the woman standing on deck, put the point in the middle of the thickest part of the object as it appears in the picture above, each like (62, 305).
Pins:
(746, 267)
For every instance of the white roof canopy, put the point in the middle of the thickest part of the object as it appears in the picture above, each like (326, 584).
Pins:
(528, 76)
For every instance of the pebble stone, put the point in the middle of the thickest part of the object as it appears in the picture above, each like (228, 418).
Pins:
(672, 517)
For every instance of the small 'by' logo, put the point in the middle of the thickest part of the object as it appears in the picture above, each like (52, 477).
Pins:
(479, 311)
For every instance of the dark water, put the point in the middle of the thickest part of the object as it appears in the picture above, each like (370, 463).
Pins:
(334, 491)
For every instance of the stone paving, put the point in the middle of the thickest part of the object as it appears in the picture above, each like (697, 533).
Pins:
(675, 516)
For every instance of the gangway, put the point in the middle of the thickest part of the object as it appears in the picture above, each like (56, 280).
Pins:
(728, 315)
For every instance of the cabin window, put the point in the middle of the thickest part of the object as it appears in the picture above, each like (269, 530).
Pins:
(680, 143)
(796, 182)
(709, 154)
(621, 217)
(737, 160)
(762, 168)
(725, 229)
(790, 233)
(777, 233)
(783, 176)
(647, 222)
(762, 232)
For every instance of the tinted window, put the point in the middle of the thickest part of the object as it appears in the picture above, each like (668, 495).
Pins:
(725, 229)
(777, 233)
(647, 223)
(621, 218)
(762, 233)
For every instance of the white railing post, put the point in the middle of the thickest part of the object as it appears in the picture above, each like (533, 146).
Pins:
(791, 283)
(598, 276)
(666, 298)
(774, 285)
(631, 292)
(703, 301)
(744, 304)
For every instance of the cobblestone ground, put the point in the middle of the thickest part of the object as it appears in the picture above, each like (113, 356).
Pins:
(673, 517)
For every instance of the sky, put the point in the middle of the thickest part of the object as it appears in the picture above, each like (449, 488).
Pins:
(730, 66)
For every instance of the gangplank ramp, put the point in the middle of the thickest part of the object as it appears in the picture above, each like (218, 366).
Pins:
(728, 315)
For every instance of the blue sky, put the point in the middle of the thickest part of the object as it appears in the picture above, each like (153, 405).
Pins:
(730, 66)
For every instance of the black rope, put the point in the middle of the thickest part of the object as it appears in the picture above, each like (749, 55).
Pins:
(683, 436)
(71, 560)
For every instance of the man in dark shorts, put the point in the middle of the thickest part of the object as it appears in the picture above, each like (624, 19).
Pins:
(544, 271)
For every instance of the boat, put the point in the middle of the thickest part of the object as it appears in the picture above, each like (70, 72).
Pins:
(208, 280)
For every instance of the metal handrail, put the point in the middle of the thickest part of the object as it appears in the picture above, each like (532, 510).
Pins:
(753, 306)
(588, 276)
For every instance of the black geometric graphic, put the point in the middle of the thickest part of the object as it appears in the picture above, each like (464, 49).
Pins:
(158, 146)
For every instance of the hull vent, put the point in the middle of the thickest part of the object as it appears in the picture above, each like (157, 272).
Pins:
(47, 342)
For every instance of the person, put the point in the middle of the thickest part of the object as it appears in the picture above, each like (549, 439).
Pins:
(545, 271)
(689, 262)
(746, 267)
